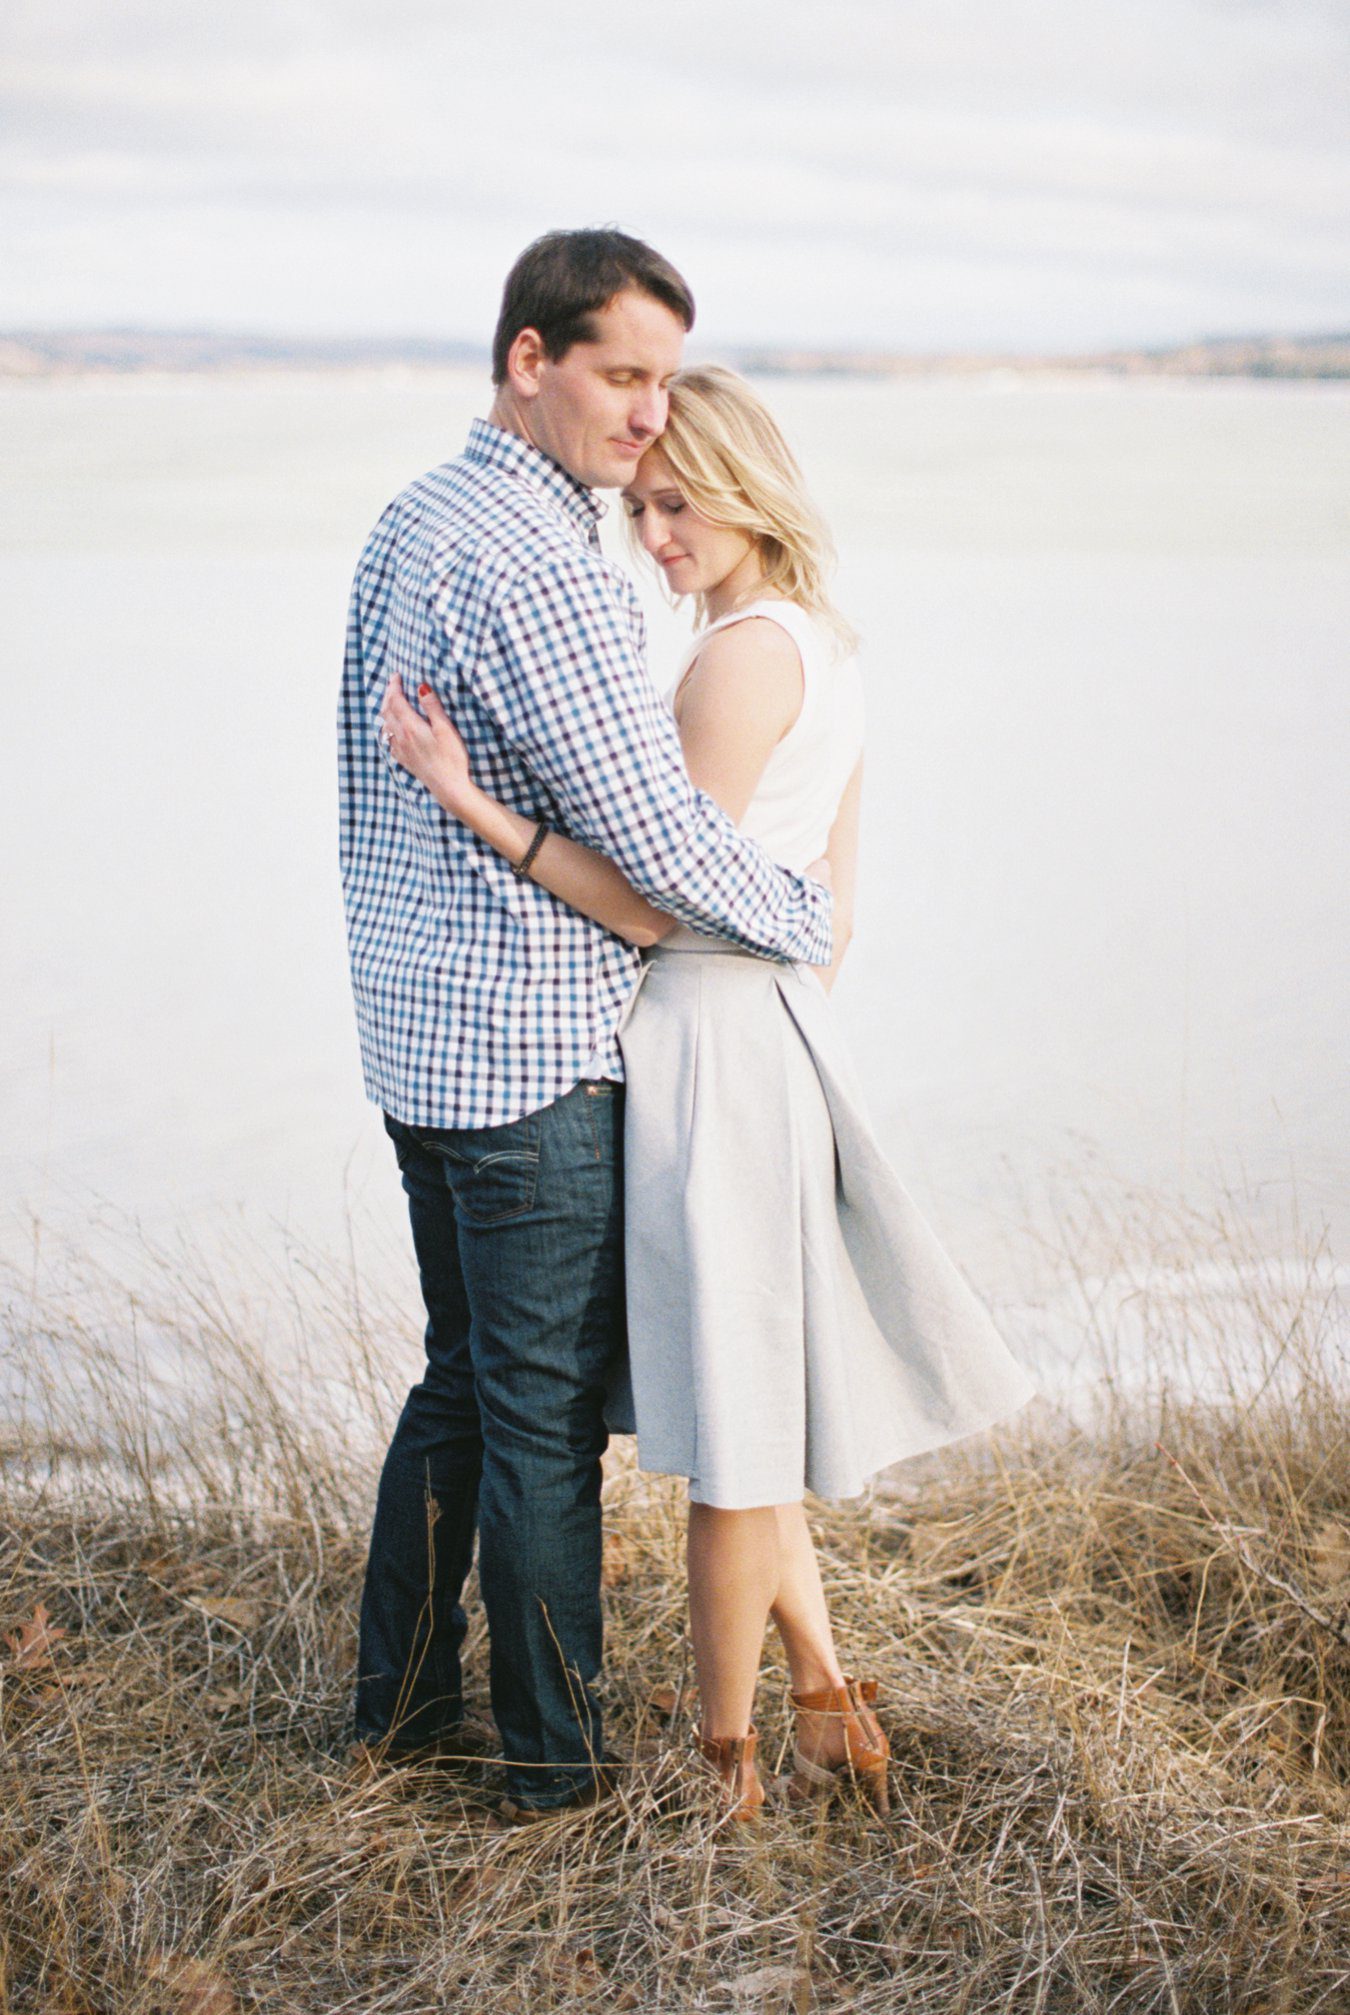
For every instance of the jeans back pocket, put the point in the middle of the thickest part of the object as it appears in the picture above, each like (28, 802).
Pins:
(492, 1171)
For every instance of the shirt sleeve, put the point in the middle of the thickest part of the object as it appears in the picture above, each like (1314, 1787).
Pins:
(568, 687)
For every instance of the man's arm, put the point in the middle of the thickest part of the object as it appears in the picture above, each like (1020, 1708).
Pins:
(569, 690)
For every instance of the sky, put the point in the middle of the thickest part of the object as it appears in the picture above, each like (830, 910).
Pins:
(909, 175)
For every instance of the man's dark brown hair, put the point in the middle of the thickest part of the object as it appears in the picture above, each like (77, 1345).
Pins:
(561, 281)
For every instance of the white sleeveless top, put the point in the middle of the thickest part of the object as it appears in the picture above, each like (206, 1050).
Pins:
(797, 797)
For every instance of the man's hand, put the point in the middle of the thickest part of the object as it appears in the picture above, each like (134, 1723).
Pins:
(428, 745)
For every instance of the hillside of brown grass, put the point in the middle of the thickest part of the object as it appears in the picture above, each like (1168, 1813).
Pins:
(1114, 1661)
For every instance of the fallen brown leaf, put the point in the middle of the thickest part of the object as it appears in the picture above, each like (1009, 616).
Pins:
(188, 1577)
(230, 1609)
(197, 1989)
(576, 1971)
(764, 1980)
(1329, 1554)
(31, 1644)
(66, 1682)
(616, 1562)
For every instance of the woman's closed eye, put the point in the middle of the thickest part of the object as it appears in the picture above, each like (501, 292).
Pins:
(669, 507)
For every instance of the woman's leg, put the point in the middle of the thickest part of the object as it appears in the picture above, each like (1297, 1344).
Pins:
(734, 1573)
(744, 1566)
(803, 1619)
(799, 1607)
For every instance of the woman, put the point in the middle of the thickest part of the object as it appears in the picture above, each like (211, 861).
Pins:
(793, 1323)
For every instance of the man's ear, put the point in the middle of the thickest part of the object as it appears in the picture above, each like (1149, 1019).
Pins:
(525, 361)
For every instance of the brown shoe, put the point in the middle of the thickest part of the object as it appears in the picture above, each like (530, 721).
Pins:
(866, 1748)
(513, 1813)
(732, 1758)
(473, 1740)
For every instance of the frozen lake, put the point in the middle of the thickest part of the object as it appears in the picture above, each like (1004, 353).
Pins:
(1103, 915)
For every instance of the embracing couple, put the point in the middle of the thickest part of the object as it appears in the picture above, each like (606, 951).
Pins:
(593, 934)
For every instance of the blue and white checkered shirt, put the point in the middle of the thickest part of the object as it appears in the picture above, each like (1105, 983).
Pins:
(480, 997)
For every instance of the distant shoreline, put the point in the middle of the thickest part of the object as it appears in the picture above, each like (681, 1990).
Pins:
(27, 354)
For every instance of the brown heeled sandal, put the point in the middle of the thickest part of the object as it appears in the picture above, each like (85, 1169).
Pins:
(732, 1758)
(865, 1741)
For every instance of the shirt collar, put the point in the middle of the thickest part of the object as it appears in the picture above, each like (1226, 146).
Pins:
(494, 448)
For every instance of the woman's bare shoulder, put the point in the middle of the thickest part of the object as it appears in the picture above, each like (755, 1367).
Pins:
(755, 660)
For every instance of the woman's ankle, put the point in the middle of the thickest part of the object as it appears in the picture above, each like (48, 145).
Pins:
(816, 1675)
(725, 1727)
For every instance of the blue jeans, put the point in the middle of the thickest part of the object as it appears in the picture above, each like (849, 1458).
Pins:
(518, 1231)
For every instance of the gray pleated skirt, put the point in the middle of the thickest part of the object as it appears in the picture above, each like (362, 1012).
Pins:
(793, 1322)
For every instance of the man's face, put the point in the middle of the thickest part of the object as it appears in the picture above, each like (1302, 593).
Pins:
(602, 404)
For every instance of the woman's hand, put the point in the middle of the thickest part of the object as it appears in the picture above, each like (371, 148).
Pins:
(820, 871)
(428, 744)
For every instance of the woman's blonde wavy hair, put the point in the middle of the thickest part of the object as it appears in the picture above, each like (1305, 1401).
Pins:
(734, 467)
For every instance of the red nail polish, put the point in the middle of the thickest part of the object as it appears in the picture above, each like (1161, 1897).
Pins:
(422, 692)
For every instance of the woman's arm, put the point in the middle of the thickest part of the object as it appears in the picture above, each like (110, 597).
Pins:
(842, 854)
(739, 699)
(430, 747)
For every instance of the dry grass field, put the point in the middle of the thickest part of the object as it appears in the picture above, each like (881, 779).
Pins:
(1114, 1658)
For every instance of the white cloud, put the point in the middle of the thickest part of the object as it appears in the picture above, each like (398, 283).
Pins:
(346, 165)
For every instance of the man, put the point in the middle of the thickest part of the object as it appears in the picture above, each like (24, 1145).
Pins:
(488, 1011)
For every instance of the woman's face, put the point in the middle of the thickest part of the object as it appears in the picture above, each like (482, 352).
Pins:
(694, 556)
